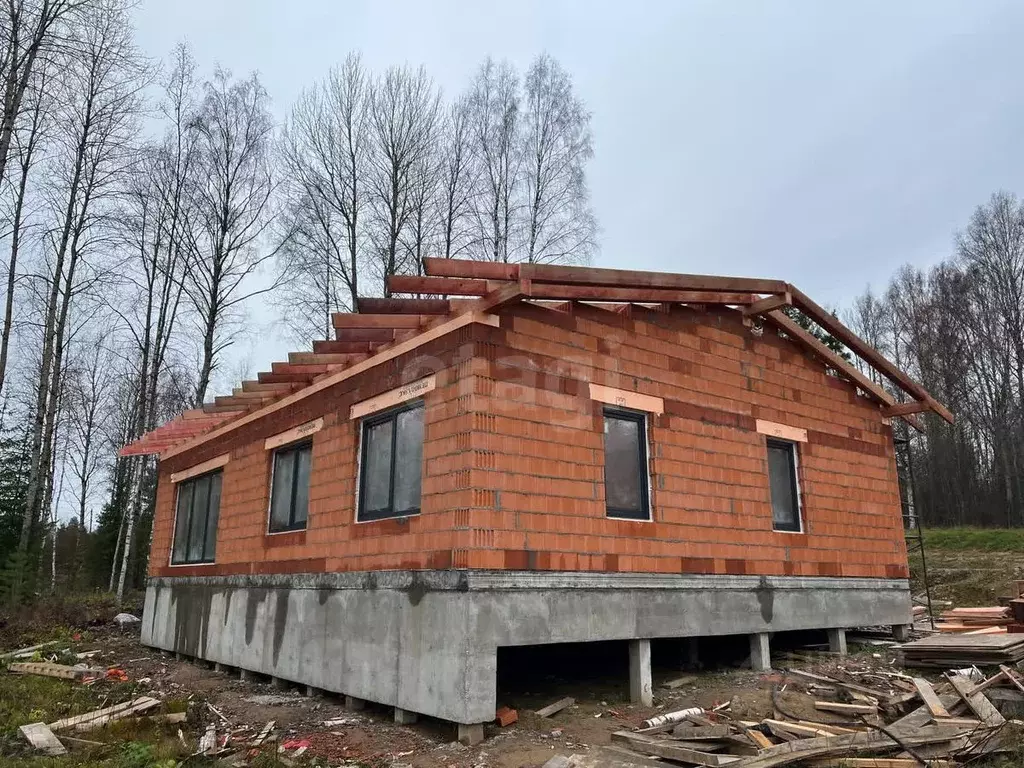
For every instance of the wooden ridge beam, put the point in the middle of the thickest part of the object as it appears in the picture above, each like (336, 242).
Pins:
(364, 320)
(445, 286)
(769, 304)
(866, 352)
(404, 306)
(509, 293)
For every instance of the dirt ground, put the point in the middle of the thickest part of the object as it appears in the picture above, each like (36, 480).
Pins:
(528, 679)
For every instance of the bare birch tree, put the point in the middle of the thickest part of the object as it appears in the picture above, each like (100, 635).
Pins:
(324, 151)
(557, 144)
(456, 182)
(495, 115)
(404, 116)
(95, 119)
(233, 201)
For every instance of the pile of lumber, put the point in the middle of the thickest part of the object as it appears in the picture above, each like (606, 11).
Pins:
(984, 620)
(901, 723)
(945, 651)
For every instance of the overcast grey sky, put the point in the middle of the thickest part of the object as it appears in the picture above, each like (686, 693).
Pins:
(825, 143)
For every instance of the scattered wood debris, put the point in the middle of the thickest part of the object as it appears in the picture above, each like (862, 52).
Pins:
(936, 724)
(41, 737)
(99, 717)
(23, 653)
(555, 707)
(945, 651)
(679, 682)
(49, 669)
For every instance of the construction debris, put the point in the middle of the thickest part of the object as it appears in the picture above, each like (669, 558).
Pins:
(955, 722)
(506, 716)
(948, 650)
(99, 717)
(42, 738)
(555, 707)
(23, 653)
(49, 669)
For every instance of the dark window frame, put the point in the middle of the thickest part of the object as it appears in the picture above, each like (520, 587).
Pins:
(794, 478)
(367, 423)
(643, 464)
(191, 482)
(295, 449)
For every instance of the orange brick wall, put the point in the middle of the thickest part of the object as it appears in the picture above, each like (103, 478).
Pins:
(513, 458)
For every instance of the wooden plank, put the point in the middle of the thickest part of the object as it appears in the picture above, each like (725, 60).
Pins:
(679, 682)
(324, 358)
(802, 731)
(930, 698)
(28, 650)
(379, 335)
(1012, 677)
(699, 732)
(404, 306)
(770, 428)
(381, 357)
(49, 669)
(846, 709)
(978, 703)
(662, 748)
(335, 347)
(366, 320)
(98, 717)
(557, 706)
(294, 434)
(769, 304)
(994, 680)
(449, 286)
(832, 681)
(555, 292)
(759, 738)
(866, 352)
(848, 745)
(393, 397)
(626, 399)
(905, 409)
(878, 762)
(485, 270)
(42, 738)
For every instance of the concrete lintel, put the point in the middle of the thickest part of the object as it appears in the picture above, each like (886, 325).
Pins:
(837, 641)
(641, 691)
(405, 717)
(760, 652)
(471, 735)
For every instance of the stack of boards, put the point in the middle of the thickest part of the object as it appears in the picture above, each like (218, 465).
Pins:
(977, 621)
(945, 651)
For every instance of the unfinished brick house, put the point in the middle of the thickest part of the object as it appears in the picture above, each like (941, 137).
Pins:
(550, 454)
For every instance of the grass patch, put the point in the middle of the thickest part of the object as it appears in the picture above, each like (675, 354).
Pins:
(126, 744)
(977, 539)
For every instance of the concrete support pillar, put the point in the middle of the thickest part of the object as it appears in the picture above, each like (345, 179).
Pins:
(180, 656)
(404, 716)
(693, 652)
(471, 735)
(246, 676)
(901, 633)
(280, 684)
(218, 667)
(312, 690)
(640, 689)
(760, 653)
(351, 702)
(837, 641)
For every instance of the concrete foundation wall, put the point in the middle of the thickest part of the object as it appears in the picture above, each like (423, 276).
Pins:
(426, 641)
